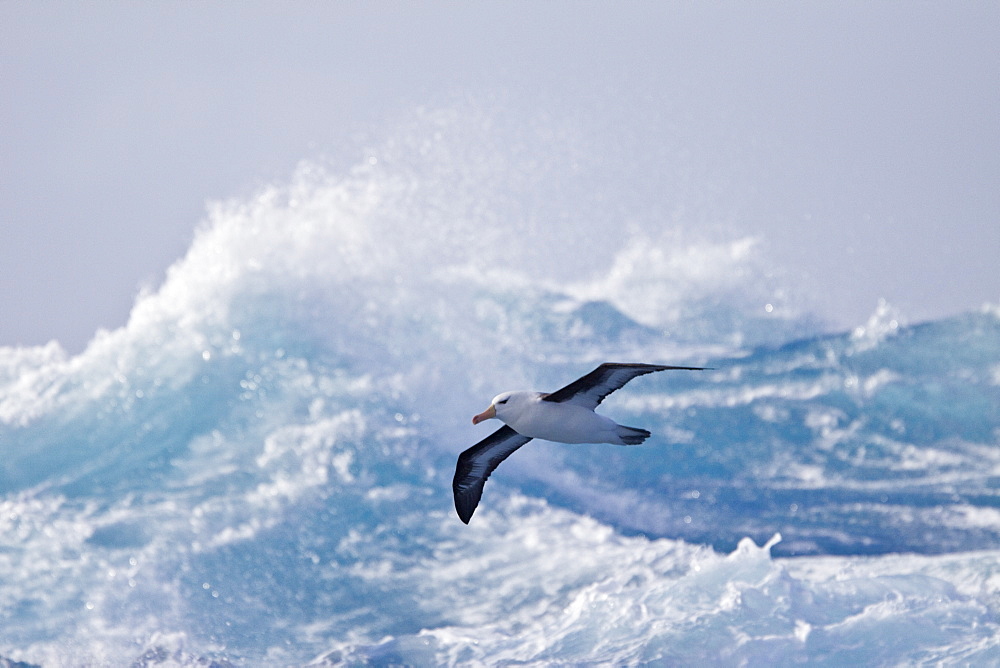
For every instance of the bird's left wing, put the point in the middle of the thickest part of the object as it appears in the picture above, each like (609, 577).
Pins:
(590, 390)
(477, 463)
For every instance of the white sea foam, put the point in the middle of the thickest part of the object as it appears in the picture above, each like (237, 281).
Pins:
(256, 467)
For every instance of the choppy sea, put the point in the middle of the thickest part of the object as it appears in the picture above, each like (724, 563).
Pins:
(256, 468)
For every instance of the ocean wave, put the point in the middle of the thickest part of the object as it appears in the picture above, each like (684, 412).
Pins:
(256, 467)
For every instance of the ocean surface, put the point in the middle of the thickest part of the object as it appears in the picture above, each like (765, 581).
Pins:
(256, 469)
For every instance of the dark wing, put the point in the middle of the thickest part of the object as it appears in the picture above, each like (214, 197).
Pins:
(590, 390)
(477, 463)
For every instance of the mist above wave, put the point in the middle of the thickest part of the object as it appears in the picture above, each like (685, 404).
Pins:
(256, 466)
(453, 230)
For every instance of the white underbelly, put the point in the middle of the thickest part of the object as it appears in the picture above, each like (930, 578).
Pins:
(565, 423)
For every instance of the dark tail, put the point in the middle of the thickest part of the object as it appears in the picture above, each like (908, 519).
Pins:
(632, 435)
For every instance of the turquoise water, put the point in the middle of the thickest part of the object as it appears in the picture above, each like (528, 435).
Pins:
(256, 468)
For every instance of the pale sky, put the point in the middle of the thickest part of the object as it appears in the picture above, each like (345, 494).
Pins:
(859, 141)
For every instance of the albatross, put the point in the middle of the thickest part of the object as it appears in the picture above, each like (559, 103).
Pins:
(563, 416)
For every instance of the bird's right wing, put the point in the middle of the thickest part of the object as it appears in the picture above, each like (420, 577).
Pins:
(477, 463)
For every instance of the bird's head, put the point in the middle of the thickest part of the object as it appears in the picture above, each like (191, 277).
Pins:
(498, 408)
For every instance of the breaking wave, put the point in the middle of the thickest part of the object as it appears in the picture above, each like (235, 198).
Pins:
(256, 468)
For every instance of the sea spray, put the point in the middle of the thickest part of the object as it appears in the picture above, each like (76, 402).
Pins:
(256, 467)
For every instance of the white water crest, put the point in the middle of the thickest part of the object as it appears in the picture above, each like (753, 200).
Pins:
(256, 468)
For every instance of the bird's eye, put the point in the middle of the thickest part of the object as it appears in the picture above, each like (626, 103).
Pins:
(502, 401)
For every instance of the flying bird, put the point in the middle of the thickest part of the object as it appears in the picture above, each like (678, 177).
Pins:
(564, 416)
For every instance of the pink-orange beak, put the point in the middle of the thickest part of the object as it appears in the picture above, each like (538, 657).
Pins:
(490, 412)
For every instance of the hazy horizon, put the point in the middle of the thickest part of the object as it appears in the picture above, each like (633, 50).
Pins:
(859, 143)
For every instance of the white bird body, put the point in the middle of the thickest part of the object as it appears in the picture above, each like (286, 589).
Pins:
(564, 416)
(529, 414)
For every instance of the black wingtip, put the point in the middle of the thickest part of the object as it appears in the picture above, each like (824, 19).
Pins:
(463, 506)
(464, 511)
(466, 496)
